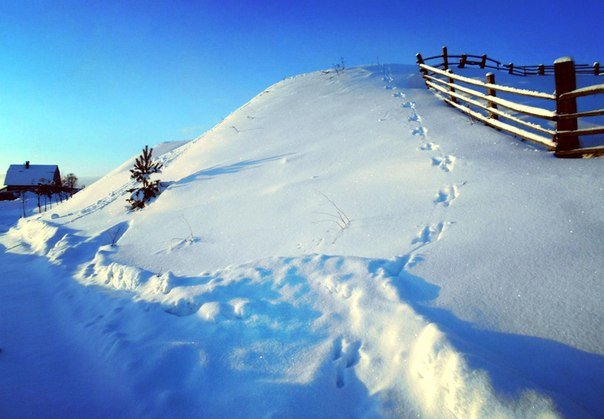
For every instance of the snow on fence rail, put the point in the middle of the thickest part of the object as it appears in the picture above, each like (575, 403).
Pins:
(564, 140)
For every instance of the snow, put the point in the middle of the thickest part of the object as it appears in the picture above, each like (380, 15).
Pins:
(341, 245)
(585, 91)
(32, 354)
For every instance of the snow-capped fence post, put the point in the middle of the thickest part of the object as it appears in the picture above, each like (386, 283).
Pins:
(511, 68)
(564, 74)
(490, 78)
(597, 68)
(445, 59)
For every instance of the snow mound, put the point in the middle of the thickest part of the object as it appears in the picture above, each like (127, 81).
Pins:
(342, 245)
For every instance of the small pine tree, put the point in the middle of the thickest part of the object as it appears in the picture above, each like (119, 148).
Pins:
(144, 167)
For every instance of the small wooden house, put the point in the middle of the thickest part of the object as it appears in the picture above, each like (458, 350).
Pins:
(22, 177)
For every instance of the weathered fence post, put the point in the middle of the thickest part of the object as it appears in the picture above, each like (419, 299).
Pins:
(541, 69)
(511, 68)
(462, 62)
(445, 59)
(597, 68)
(424, 72)
(483, 60)
(491, 92)
(451, 88)
(564, 73)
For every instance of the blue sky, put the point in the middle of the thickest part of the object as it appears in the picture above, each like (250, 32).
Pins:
(86, 84)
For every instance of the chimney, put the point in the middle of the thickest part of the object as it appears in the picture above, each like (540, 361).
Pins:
(27, 164)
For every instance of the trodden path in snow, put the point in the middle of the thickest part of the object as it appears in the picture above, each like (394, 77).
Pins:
(44, 369)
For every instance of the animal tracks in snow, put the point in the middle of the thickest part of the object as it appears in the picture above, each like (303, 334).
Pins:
(447, 195)
(420, 131)
(432, 231)
(414, 118)
(430, 146)
(429, 233)
(346, 355)
(445, 163)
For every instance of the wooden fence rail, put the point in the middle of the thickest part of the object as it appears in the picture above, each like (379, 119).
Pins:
(486, 106)
(483, 61)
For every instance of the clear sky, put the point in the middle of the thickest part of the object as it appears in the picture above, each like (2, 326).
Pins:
(86, 84)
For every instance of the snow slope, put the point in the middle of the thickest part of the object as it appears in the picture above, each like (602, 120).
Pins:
(341, 245)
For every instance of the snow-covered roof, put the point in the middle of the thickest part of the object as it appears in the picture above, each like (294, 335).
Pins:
(32, 174)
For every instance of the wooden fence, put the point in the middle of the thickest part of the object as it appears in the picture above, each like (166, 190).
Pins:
(486, 106)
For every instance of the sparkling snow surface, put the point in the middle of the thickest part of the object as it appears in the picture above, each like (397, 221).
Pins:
(342, 245)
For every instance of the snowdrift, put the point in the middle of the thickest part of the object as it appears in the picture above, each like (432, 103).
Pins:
(342, 245)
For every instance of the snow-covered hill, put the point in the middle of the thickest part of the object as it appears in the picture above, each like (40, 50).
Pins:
(342, 245)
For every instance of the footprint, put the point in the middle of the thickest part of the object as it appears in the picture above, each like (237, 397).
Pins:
(446, 163)
(399, 94)
(346, 355)
(420, 131)
(429, 146)
(409, 105)
(414, 118)
(447, 195)
(429, 234)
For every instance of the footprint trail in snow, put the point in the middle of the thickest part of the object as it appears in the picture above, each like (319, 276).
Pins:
(433, 230)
